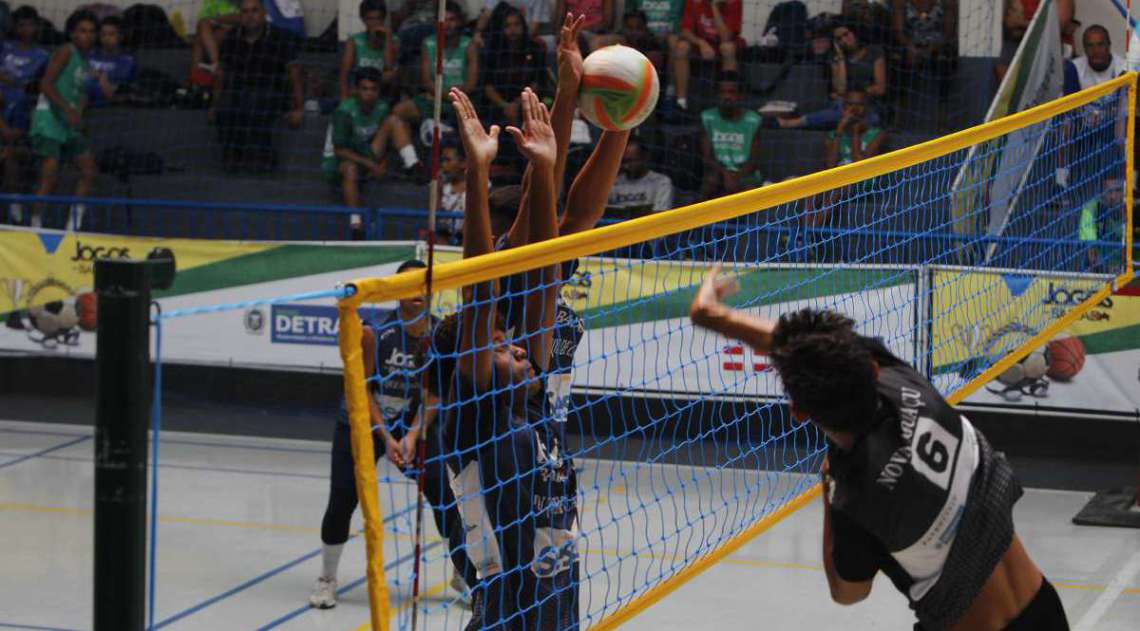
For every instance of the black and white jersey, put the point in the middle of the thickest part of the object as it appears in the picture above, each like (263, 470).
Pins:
(929, 494)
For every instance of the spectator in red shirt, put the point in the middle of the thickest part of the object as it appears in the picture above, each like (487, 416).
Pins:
(712, 28)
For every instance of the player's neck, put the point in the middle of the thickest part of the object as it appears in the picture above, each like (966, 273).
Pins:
(843, 440)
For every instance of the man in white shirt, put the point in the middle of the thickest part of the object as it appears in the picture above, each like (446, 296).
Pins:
(637, 190)
(1098, 64)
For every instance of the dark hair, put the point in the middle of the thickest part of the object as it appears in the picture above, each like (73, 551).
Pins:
(368, 74)
(453, 7)
(635, 13)
(25, 13)
(82, 15)
(449, 141)
(368, 6)
(728, 76)
(112, 20)
(503, 206)
(411, 264)
(827, 373)
(444, 352)
(1096, 28)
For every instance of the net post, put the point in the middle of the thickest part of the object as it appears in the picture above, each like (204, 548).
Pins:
(1129, 174)
(122, 404)
(364, 457)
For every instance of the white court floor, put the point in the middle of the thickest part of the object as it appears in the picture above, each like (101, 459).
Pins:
(239, 531)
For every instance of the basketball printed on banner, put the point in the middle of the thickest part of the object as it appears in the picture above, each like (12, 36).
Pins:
(1066, 358)
(619, 88)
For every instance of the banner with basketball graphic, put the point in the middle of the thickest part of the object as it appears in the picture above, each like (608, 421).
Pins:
(1093, 366)
(47, 304)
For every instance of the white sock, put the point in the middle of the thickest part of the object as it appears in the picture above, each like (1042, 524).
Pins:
(17, 211)
(408, 154)
(682, 103)
(78, 210)
(330, 559)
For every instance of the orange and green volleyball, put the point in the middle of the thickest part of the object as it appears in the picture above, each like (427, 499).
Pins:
(619, 88)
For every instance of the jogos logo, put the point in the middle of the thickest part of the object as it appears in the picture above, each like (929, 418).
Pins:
(310, 324)
(85, 255)
(1060, 299)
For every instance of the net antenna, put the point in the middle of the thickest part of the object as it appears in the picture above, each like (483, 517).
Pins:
(433, 208)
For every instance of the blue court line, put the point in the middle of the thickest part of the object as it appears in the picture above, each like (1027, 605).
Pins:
(9, 625)
(349, 586)
(45, 451)
(177, 441)
(270, 574)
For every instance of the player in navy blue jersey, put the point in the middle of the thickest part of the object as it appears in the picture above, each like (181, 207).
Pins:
(513, 476)
(400, 414)
(112, 67)
(911, 488)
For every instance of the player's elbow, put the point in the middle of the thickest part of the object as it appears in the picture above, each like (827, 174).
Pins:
(848, 594)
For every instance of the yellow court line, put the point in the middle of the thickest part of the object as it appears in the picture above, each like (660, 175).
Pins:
(434, 590)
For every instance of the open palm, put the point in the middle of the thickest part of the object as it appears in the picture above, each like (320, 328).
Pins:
(480, 145)
(569, 55)
(536, 139)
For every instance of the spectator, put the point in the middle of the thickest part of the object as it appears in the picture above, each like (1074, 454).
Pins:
(731, 142)
(415, 20)
(710, 29)
(635, 33)
(358, 139)
(600, 28)
(536, 13)
(257, 80)
(638, 191)
(57, 124)
(663, 19)
(1102, 219)
(855, 138)
(22, 64)
(853, 67)
(460, 67)
(453, 172)
(514, 62)
(216, 19)
(374, 48)
(927, 32)
(112, 66)
(871, 19)
(1015, 20)
(1099, 63)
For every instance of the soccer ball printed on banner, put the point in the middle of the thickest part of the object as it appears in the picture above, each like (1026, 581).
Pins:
(619, 88)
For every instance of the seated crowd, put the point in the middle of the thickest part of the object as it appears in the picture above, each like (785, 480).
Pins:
(245, 58)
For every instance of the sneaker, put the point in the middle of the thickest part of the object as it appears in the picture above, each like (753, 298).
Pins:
(324, 593)
(416, 174)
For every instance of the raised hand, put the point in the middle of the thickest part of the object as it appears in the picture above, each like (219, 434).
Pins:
(569, 55)
(712, 293)
(479, 144)
(536, 139)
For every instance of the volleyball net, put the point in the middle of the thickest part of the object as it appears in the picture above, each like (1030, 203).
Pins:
(672, 446)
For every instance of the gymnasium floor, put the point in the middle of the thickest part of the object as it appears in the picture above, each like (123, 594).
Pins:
(239, 539)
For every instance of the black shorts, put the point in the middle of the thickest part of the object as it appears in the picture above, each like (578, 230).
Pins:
(1044, 612)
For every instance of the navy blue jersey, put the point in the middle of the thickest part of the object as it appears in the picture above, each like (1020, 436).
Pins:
(517, 493)
(395, 386)
(22, 67)
(569, 328)
(118, 67)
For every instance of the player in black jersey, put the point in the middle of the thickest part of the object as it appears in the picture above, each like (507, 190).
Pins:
(392, 350)
(911, 488)
(513, 477)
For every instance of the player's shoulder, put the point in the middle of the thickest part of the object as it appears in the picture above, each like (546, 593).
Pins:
(752, 116)
(658, 179)
(710, 116)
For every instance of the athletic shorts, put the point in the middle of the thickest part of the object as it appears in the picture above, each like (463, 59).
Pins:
(45, 147)
(1044, 612)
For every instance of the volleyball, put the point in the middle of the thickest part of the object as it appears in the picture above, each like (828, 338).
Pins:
(619, 88)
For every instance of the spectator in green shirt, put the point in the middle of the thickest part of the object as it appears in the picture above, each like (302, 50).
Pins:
(358, 139)
(374, 48)
(460, 68)
(1102, 219)
(731, 141)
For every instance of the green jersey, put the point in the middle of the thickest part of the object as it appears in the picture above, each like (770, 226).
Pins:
(845, 155)
(663, 17)
(366, 55)
(731, 140)
(351, 128)
(213, 9)
(454, 61)
(48, 121)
